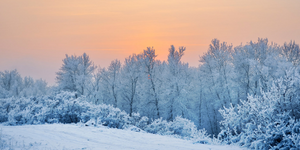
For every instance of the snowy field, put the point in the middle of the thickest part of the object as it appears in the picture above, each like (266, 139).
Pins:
(70, 136)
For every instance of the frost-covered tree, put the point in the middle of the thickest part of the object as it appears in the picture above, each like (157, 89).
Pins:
(291, 52)
(86, 68)
(229, 75)
(268, 121)
(95, 91)
(111, 82)
(11, 84)
(33, 87)
(177, 79)
(256, 64)
(150, 79)
(130, 75)
(75, 74)
(218, 74)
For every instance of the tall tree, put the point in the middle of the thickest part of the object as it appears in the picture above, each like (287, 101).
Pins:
(218, 72)
(111, 81)
(130, 75)
(75, 74)
(291, 52)
(177, 80)
(11, 83)
(149, 67)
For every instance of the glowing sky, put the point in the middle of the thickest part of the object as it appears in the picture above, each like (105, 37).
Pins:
(35, 35)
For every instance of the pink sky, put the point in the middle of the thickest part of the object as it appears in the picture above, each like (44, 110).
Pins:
(35, 35)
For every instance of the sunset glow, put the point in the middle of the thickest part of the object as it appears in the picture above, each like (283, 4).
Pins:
(35, 35)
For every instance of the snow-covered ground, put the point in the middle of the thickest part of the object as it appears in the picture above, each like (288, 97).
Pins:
(68, 136)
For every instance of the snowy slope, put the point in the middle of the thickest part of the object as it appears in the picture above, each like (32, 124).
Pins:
(67, 136)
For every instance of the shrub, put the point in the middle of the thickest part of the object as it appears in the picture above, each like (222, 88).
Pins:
(158, 126)
(65, 108)
(264, 122)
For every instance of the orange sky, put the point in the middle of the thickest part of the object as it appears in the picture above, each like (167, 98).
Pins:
(35, 35)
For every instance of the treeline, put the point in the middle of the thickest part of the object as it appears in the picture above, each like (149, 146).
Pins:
(13, 85)
(171, 88)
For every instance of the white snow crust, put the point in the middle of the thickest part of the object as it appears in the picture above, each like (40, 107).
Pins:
(78, 137)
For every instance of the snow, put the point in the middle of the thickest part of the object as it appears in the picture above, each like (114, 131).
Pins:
(71, 136)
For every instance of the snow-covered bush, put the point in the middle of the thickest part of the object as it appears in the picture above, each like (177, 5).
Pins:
(107, 115)
(64, 107)
(201, 136)
(137, 120)
(265, 122)
(182, 127)
(115, 119)
(179, 127)
(143, 122)
(5, 108)
(158, 126)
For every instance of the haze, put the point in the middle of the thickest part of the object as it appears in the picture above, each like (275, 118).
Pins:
(35, 35)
